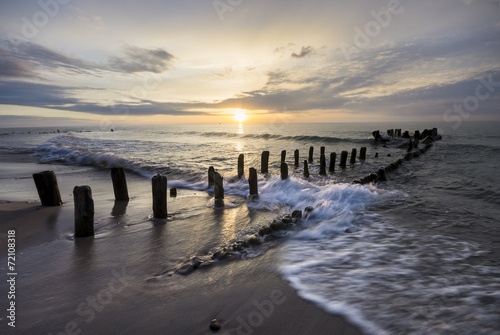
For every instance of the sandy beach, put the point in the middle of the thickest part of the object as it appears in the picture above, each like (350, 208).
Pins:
(123, 280)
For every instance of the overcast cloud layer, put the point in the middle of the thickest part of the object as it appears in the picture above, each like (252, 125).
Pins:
(413, 59)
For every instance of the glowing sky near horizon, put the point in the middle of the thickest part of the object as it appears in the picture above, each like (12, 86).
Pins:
(80, 62)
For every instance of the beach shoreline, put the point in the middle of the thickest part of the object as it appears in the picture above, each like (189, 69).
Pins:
(245, 296)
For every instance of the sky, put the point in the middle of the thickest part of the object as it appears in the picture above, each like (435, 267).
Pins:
(70, 62)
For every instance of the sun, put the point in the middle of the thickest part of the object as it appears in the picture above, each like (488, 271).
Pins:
(240, 116)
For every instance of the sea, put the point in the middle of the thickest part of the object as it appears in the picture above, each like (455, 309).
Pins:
(416, 254)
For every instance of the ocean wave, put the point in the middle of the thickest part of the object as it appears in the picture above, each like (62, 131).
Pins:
(297, 138)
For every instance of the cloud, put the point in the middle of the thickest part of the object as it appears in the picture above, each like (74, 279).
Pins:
(304, 52)
(28, 56)
(141, 60)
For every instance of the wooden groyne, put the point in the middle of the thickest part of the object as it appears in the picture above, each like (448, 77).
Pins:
(48, 190)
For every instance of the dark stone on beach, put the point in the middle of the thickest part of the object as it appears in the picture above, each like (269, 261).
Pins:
(416, 154)
(348, 231)
(308, 210)
(215, 325)
(297, 214)
(287, 219)
(173, 192)
(389, 155)
(254, 240)
(185, 269)
(408, 156)
(376, 155)
(381, 175)
(196, 262)
(373, 178)
(265, 230)
(277, 225)
(239, 245)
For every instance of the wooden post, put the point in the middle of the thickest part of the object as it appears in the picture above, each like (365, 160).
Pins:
(119, 183)
(284, 170)
(306, 169)
(362, 153)
(159, 184)
(343, 158)
(219, 190)
(322, 152)
(211, 172)
(296, 156)
(333, 157)
(241, 165)
(252, 182)
(264, 164)
(48, 190)
(353, 156)
(322, 165)
(311, 152)
(410, 146)
(84, 211)
(283, 156)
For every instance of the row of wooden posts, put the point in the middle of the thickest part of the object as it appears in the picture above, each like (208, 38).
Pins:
(48, 189)
(322, 165)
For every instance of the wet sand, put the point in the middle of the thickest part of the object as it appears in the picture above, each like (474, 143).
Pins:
(121, 281)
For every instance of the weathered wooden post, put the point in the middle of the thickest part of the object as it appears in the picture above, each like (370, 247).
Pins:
(410, 146)
(333, 157)
(241, 165)
(252, 182)
(322, 165)
(311, 152)
(343, 158)
(211, 172)
(84, 211)
(353, 156)
(219, 190)
(306, 169)
(48, 190)
(284, 170)
(119, 183)
(322, 152)
(283, 156)
(362, 153)
(159, 184)
(296, 156)
(264, 163)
